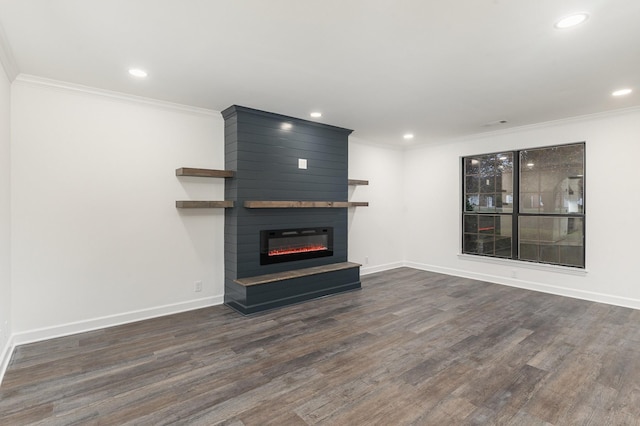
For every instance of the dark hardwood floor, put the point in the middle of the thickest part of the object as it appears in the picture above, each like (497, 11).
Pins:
(411, 347)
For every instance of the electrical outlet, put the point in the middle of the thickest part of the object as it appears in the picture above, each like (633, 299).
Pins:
(514, 274)
(366, 260)
(197, 286)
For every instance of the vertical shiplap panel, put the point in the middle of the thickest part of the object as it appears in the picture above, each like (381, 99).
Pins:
(264, 153)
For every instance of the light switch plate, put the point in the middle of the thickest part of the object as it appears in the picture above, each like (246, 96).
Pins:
(302, 163)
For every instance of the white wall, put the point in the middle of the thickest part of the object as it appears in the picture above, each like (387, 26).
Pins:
(376, 232)
(433, 194)
(97, 239)
(5, 221)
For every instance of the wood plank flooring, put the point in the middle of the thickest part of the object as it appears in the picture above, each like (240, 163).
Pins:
(410, 348)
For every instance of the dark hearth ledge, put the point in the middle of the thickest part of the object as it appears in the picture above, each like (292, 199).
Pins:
(263, 292)
(296, 273)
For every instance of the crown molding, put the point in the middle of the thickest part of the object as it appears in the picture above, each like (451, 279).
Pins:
(6, 57)
(527, 127)
(35, 81)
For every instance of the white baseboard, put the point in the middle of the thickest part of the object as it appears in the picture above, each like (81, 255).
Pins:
(535, 286)
(112, 320)
(5, 357)
(366, 270)
(46, 333)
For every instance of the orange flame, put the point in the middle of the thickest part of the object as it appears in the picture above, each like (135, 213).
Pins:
(306, 249)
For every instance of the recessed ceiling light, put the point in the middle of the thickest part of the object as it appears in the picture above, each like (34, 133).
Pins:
(286, 126)
(408, 136)
(571, 20)
(621, 92)
(137, 72)
(316, 114)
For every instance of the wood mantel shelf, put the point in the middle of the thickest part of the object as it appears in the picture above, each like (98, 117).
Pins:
(302, 204)
(188, 204)
(358, 182)
(211, 173)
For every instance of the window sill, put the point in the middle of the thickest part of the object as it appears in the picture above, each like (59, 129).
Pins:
(522, 264)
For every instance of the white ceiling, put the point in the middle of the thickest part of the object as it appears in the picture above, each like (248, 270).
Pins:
(440, 69)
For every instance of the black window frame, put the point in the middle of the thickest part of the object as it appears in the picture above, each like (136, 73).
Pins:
(516, 214)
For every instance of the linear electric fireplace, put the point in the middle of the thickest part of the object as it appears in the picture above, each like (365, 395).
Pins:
(285, 245)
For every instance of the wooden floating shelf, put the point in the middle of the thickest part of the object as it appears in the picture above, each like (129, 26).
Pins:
(302, 204)
(358, 182)
(295, 204)
(188, 171)
(358, 204)
(204, 204)
(209, 173)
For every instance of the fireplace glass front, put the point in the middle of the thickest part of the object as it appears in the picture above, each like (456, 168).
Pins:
(285, 245)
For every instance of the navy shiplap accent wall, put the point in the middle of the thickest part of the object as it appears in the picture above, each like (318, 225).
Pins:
(264, 155)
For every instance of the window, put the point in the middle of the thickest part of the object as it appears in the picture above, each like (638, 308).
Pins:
(526, 205)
